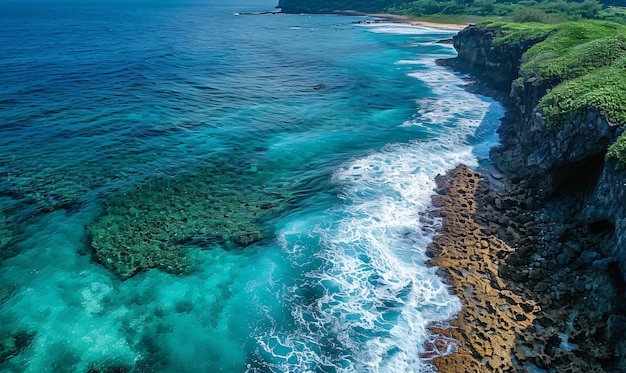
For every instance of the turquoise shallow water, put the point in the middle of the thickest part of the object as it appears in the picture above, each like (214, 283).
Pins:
(281, 162)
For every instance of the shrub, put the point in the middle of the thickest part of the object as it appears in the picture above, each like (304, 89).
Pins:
(526, 14)
(584, 63)
(604, 89)
(618, 149)
(569, 61)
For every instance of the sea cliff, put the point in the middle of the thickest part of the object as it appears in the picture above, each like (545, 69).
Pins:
(566, 161)
(557, 202)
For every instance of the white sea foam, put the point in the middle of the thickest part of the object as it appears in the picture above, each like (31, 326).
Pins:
(373, 295)
(403, 29)
(361, 304)
(450, 103)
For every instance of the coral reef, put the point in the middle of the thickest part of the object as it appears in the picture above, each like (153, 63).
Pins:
(151, 225)
(12, 343)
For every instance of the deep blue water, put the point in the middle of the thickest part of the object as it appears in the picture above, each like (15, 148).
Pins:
(130, 126)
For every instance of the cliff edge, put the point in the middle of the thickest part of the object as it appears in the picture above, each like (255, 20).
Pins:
(565, 160)
(554, 232)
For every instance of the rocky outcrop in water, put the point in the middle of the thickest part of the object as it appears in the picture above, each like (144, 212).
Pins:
(154, 224)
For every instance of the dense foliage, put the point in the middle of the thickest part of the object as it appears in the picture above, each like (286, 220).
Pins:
(514, 32)
(524, 11)
(574, 49)
(604, 89)
(545, 11)
(618, 150)
(330, 6)
(584, 63)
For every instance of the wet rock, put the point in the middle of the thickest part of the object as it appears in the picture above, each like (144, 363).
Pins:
(589, 257)
(471, 261)
(551, 282)
(564, 258)
(616, 327)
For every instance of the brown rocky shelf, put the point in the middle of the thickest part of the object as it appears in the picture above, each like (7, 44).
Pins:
(523, 309)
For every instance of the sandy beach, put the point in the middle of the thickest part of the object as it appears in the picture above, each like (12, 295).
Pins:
(396, 18)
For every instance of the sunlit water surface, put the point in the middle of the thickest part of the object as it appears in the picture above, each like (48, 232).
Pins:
(345, 126)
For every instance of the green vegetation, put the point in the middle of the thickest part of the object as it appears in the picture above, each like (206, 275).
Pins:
(329, 6)
(583, 63)
(546, 11)
(516, 32)
(603, 89)
(618, 150)
(573, 49)
(613, 14)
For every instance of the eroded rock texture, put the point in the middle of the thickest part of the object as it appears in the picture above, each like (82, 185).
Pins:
(532, 297)
(493, 315)
(559, 216)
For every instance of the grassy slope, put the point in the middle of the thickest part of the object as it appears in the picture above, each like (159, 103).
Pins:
(586, 61)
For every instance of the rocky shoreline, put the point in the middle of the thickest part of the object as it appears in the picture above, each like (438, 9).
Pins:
(469, 257)
(531, 303)
(536, 259)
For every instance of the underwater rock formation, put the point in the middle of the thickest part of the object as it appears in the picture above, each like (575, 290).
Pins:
(153, 224)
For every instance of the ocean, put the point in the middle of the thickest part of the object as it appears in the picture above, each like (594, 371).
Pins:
(185, 187)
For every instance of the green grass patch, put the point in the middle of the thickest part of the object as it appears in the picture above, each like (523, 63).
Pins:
(573, 49)
(510, 32)
(583, 58)
(604, 89)
(583, 61)
(618, 149)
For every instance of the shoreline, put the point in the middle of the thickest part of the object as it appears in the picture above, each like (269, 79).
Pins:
(528, 301)
(400, 19)
(493, 315)
(394, 18)
(524, 238)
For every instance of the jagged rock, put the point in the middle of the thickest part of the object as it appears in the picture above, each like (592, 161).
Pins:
(495, 64)
(560, 211)
(589, 257)
(492, 315)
